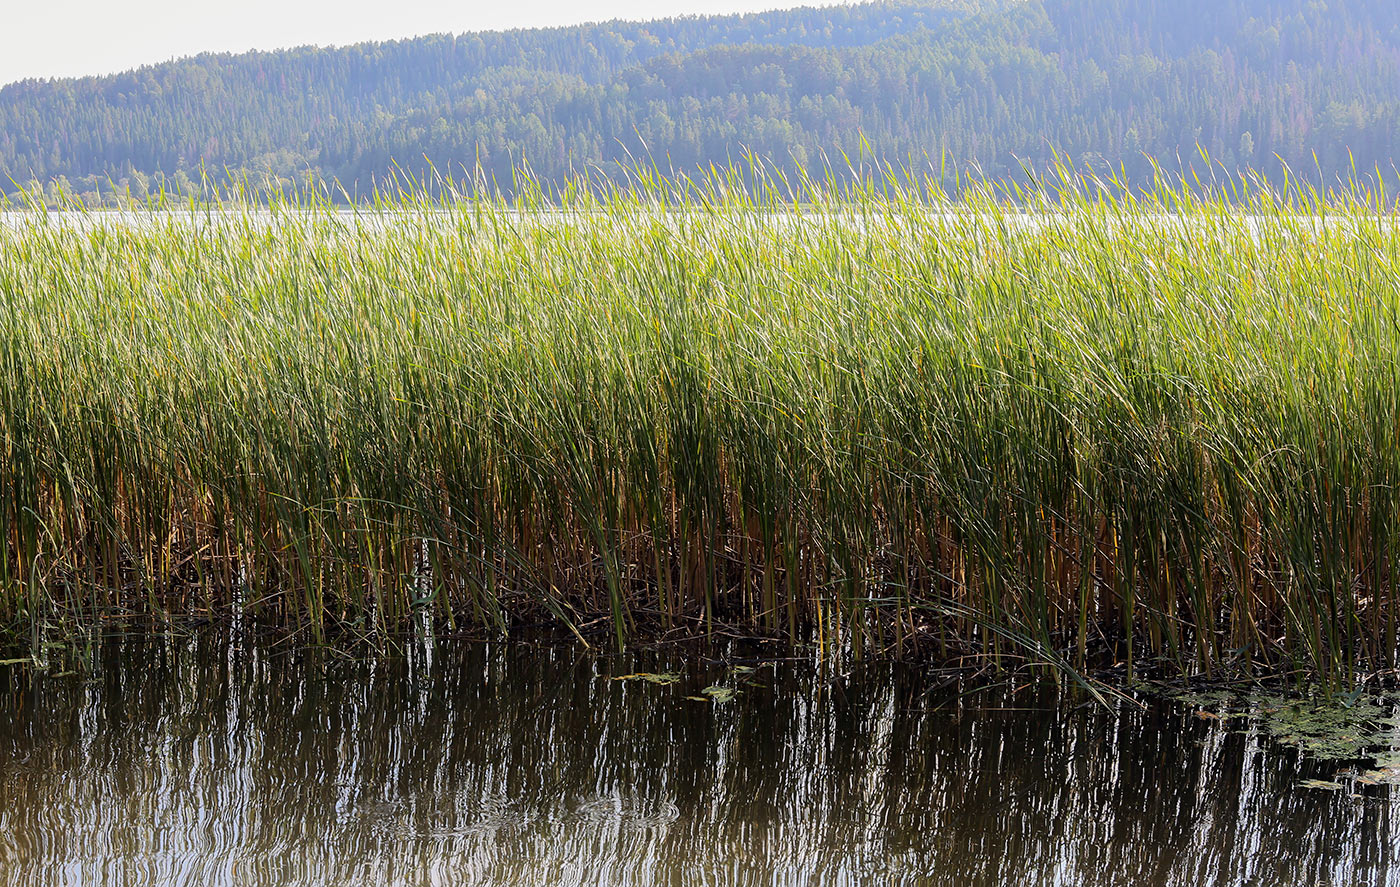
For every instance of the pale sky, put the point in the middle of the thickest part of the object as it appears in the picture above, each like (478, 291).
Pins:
(58, 38)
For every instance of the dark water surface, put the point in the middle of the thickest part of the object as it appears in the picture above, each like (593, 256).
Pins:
(203, 763)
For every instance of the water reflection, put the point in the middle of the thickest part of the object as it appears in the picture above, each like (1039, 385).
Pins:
(207, 763)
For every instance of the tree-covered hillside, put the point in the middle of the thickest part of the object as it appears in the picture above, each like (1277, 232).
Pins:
(991, 83)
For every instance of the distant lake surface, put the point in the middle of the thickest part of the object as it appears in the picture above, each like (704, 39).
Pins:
(852, 216)
(224, 763)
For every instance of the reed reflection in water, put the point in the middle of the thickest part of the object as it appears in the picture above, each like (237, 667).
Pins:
(214, 763)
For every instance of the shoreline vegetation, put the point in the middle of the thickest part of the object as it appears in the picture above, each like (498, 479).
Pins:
(1058, 422)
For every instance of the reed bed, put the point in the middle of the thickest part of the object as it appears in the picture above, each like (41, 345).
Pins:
(1153, 424)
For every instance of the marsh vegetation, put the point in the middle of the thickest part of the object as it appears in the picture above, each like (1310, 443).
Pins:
(1050, 424)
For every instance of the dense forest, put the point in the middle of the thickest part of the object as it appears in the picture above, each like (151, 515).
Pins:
(993, 84)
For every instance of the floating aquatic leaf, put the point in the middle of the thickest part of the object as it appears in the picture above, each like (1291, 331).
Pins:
(650, 678)
(1380, 776)
(719, 694)
(1345, 726)
(1321, 783)
(1387, 761)
(743, 669)
(23, 661)
(1204, 699)
(1324, 728)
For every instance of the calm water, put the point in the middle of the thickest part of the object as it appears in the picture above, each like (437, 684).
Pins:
(193, 764)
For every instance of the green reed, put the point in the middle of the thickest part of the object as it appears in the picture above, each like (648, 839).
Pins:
(1158, 423)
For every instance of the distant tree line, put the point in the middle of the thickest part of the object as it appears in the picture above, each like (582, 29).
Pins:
(998, 85)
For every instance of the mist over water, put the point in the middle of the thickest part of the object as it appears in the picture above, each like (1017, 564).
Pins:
(215, 763)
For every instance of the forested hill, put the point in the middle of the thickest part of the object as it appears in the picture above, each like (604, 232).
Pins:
(989, 82)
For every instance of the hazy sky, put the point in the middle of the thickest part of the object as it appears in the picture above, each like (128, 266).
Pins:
(51, 38)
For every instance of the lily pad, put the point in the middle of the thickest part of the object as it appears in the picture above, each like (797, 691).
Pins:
(651, 678)
(1346, 726)
(1321, 783)
(1325, 729)
(1380, 776)
(719, 695)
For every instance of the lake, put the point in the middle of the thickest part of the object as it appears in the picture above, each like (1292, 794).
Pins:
(214, 761)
